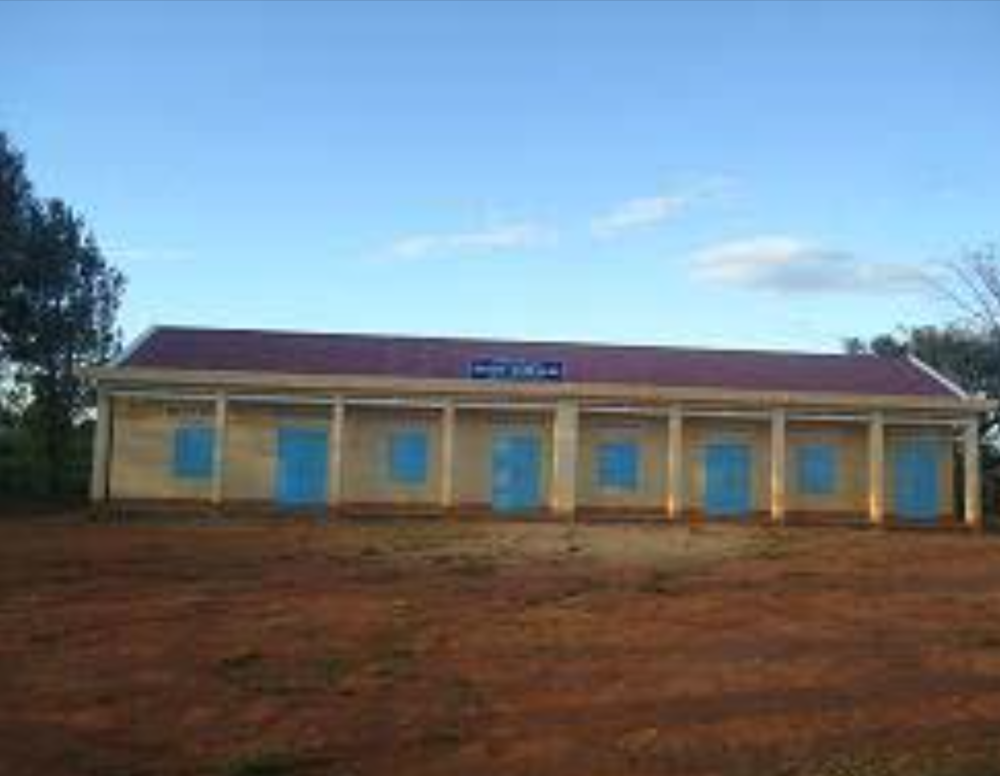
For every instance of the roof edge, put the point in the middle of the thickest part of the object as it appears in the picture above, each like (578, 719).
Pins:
(236, 379)
(927, 369)
(131, 349)
(488, 340)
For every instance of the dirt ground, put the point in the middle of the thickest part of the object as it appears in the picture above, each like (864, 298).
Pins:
(270, 648)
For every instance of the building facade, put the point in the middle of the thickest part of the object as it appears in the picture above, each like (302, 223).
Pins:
(354, 423)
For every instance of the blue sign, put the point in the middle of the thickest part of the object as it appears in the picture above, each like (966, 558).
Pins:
(516, 369)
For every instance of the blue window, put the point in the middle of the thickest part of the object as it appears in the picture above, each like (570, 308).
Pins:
(194, 452)
(618, 465)
(916, 476)
(408, 457)
(817, 470)
(728, 479)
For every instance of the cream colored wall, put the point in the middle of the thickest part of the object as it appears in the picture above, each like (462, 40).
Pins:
(366, 456)
(946, 464)
(850, 443)
(700, 432)
(142, 450)
(474, 433)
(250, 453)
(651, 437)
(143, 433)
(252, 444)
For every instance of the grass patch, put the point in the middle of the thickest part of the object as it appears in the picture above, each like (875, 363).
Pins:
(333, 669)
(393, 656)
(473, 567)
(446, 736)
(239, 662)
(934, 763)
(251, 672)
(394, 661)
(771, 545)
(418, 538)
(662, 581)
(270, 763)
(460, 701)
(572, 593)
(976, 638)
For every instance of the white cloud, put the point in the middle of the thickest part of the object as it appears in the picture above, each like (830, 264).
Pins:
(491, 239)
(643, 212)
(636, 213)
(789, 265)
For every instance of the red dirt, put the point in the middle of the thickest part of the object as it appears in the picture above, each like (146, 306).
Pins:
(393, 648)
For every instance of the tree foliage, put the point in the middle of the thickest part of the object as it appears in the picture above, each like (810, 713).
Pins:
(59, 300)
(967, 350)
(967, 356)
(972, 284)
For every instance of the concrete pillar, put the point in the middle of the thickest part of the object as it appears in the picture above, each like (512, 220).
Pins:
(335, 487)
(101, 452)
(876, 469)
(448, 456)
(778, 448)
(219, 464)
(973, 494)
(565, 442)
(675, 463)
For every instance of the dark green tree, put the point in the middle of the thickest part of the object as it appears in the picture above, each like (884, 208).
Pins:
(889, 345)
(17, 206)
(966, 355)
(58, 303)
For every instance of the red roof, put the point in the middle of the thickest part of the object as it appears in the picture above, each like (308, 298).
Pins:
(418, 357)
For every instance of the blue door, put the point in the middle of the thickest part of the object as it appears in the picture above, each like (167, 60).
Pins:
(516, 478)
(302, 467)
(727, 479)
(915, 476)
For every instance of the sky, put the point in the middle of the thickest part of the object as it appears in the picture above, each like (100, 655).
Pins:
(741, 174)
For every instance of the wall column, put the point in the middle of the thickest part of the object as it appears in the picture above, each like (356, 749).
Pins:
(219, 463)
(778, 461)
(448, 456)
(876, 469)
(973, 494)
(101, 451)
(335, 487)
(675, 463)
(565, 440)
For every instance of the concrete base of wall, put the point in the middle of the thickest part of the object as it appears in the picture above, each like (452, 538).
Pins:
(199, 509)
(611, 514)
(849, 519)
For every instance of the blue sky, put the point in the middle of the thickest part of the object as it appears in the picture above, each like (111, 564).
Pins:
(737, 174)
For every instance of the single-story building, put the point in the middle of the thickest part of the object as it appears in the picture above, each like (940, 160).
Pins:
(350, 423)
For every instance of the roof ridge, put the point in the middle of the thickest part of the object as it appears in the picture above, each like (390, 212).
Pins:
(487, 340)
(424, 357)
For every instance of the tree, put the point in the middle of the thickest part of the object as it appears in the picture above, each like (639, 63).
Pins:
(965, 355)
(968, 349)
(16, 199)
(59, 299)
(17, 205)
(883, 345)
(972, 284)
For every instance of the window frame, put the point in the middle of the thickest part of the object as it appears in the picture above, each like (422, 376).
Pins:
(399, 470)
(618, 465)
(193, 455)
(816, 469)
